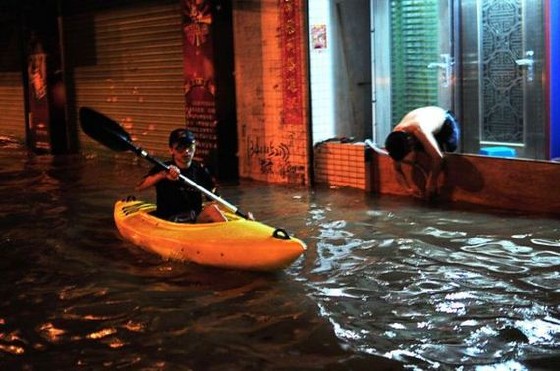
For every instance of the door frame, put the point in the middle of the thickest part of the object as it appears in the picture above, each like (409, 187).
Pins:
(448, 97)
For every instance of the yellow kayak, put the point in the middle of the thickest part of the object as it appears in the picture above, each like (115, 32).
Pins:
(235, 244)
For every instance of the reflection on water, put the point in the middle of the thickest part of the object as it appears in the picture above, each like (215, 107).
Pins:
(439, 288)
(428, 287)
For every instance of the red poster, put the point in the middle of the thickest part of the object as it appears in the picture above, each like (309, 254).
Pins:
(38, 102)
(199, 84)
(292, 64)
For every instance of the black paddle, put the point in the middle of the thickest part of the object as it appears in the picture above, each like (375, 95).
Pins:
(109, 133)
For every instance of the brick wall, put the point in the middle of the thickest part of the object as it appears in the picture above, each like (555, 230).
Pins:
(341, 164)
(272, 90)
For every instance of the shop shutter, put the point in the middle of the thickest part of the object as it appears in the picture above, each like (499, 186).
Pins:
(414, 44)
(12, 120)
(125, 60)
(12, 123)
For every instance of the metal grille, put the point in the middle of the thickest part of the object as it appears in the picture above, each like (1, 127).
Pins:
(12, 121)
(502, 79)
(11, 105)
(127, 62)
(414, 44)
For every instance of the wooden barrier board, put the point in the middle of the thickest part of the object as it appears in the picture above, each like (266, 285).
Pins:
(513, 184)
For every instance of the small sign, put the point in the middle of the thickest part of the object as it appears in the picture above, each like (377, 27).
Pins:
(319, 36)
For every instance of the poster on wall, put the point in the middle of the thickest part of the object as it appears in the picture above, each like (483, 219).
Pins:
(291, 41)
(39, 136)
(199, 76)
(46, 90)
(319, 36)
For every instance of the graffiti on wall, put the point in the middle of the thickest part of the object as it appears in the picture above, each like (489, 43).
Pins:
(274, 159)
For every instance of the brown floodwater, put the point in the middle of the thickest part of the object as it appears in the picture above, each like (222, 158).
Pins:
(385, 283)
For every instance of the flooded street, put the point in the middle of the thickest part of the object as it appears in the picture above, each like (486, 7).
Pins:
(385, 281)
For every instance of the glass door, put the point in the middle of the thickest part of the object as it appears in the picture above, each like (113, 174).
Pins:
(502, 59)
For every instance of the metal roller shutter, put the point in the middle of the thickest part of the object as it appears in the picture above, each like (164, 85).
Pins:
(127, 62)
(12, 122)
(12, 108)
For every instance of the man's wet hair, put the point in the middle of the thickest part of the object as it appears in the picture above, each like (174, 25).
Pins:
(398, 145)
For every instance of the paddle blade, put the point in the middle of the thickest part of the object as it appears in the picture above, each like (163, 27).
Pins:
(104, 130)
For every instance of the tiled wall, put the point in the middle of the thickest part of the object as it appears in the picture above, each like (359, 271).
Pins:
(270, 86)
(340, 164)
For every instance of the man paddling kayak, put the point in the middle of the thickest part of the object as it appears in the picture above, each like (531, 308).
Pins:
(176, 200)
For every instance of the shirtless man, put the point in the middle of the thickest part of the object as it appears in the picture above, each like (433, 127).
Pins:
(431, 130)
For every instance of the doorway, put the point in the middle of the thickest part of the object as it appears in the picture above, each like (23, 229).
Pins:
(503, 65)
(482, 59)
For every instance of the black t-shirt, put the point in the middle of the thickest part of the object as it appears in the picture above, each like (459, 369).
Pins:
(177, 197)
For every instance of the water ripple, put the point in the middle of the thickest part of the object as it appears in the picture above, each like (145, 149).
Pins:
(545, 242)
(430, 287)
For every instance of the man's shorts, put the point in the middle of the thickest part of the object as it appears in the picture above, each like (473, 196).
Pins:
(448, 137)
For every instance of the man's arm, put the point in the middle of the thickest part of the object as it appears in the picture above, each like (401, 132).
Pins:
(150, 180)
(403, 181)
(436, 158)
